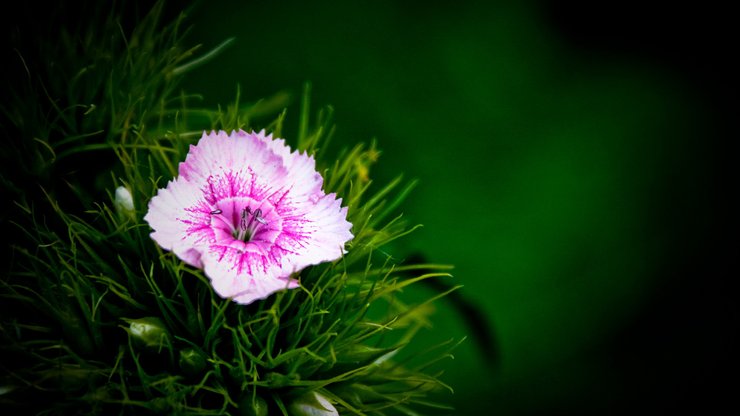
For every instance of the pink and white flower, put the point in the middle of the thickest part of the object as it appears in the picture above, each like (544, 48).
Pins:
(250, 213)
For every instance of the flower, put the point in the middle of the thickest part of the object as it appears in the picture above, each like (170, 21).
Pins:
(250, 213)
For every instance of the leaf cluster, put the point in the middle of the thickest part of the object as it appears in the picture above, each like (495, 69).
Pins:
(96, 319)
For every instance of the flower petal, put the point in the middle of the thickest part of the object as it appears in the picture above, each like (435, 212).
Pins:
(317, 232)
(172, 213)
(301, 166)
(245, 277)
(218, 153)
(250, 212)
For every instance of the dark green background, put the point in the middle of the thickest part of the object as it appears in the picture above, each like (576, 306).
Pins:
(573, 165)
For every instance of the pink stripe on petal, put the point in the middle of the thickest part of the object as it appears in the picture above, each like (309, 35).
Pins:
(250, 212)
(248, 275)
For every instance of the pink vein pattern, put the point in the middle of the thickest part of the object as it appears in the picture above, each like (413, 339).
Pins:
(250, 213)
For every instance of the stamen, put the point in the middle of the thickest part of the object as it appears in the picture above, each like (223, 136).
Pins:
(243, 223)
(245, 230)
(258, 217)
(216, 212)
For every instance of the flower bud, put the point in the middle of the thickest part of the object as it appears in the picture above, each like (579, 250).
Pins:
(192, 361)
(149, 332)
(312, 404)
(124, 201)
(253, 406)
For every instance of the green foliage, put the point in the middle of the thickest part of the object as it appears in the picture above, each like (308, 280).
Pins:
(96, 319)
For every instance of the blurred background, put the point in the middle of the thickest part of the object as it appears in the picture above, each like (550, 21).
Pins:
(574, 167)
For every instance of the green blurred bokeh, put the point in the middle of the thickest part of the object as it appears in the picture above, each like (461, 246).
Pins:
(569, 187)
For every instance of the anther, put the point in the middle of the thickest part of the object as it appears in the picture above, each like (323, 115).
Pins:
(216, 212)
(258, 217)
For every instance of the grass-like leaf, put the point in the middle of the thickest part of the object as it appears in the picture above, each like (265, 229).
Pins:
(96, 319)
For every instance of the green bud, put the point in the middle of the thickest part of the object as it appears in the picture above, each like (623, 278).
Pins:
(192, 362)
(149, 332)
(312, 404)
(253, 406)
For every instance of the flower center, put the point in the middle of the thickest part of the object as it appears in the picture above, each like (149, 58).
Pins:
(249, 222)
(244, 223)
